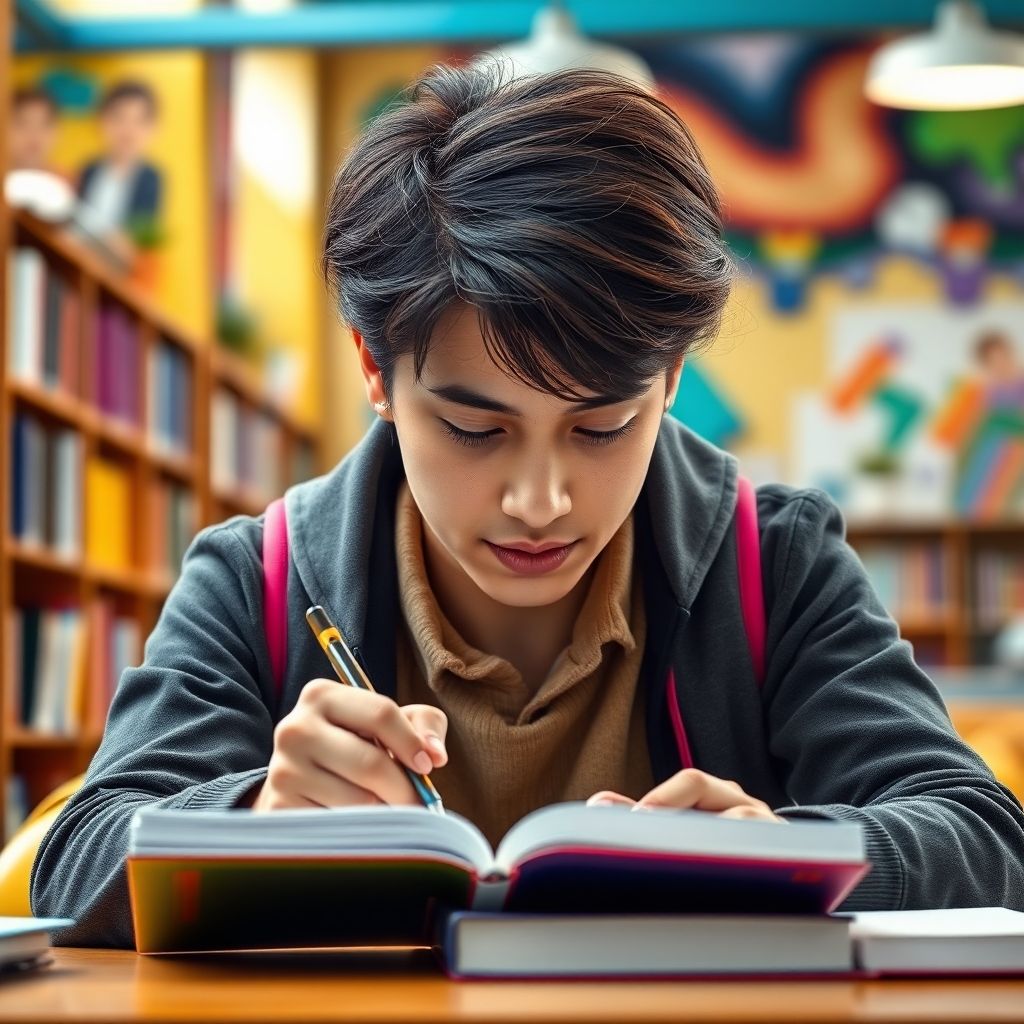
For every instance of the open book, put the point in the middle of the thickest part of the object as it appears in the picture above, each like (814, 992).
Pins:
(233, 879)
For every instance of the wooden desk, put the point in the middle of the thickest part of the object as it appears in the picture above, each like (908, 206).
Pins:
(117, 985)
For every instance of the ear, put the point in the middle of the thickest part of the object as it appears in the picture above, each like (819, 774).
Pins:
(675, 374)
(371, 376)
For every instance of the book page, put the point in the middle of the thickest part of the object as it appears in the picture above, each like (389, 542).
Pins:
(309, 832)
(672, 831)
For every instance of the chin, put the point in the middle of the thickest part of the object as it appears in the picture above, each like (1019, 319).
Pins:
(527, 591)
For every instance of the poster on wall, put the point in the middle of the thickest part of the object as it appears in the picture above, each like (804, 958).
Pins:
(922, 415)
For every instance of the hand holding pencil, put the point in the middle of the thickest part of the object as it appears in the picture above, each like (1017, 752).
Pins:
(343, 746)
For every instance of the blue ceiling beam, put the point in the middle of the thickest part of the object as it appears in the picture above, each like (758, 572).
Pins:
(36, 23)
(363, 22)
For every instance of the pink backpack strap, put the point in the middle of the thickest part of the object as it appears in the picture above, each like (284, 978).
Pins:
(748, 550)
(275, 589)
(748, 560)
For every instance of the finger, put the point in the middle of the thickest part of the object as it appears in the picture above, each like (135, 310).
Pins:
(326, 789)
(432, 725)
(746, 811)
(374, 716)
(607, 797)
(692, 788)
(360, 762)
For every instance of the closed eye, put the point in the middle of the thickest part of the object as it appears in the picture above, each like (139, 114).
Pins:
(472, 438)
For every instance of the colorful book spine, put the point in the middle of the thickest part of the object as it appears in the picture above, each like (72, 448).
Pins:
(46, 485)
(108, 514)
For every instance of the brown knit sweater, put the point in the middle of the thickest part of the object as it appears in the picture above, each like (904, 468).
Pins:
(510, 751)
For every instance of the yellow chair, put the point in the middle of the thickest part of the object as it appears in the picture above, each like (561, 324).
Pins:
(17, 856)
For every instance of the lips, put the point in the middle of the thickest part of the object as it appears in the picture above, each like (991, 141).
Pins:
(535, 549)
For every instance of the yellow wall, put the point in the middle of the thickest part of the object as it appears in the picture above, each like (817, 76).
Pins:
(352, 81)
(277, 220)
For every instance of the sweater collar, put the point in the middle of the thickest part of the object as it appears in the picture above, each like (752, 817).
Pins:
(604, 617)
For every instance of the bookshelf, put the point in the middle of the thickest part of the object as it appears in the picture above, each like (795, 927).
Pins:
(135, 461)
(951, 585)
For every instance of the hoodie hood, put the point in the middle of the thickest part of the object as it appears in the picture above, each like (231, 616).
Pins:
(341, 526)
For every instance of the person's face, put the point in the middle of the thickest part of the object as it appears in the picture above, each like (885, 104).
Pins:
(1000, 362)
(541, 471)
(127, 126)
(33, 129)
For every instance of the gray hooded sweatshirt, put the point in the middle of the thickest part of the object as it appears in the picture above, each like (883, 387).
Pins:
(845, 725)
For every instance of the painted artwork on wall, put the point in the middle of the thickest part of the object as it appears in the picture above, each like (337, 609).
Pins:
(923, 415)
(815, 179)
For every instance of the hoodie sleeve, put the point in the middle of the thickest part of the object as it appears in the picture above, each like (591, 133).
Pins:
(188, 728)
(862, 734)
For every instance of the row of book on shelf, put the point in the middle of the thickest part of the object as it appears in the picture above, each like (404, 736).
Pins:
(66, 661)
(47, 508)
(45, 348)
(912, 580)
(245, 437)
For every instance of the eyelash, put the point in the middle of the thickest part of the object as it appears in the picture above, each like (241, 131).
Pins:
(473, 439)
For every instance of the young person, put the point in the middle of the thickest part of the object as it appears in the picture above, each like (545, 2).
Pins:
(120, 187)
(525, 266)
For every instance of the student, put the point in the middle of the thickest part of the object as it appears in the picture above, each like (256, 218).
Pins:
(525, 265)
(120, 187)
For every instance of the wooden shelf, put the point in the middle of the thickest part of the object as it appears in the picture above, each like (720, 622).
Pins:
(36, 574)
(26, 739)
(57, 404)
(39, 557)
(961, 543)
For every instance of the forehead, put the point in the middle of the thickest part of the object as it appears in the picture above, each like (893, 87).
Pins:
(458, 354)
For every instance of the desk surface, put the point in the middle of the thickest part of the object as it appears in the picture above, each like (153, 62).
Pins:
(118, 985)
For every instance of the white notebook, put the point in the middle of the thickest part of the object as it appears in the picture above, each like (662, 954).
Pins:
(24, 939)
(975, 940)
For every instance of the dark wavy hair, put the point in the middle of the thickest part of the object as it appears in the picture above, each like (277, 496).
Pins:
(573, 210)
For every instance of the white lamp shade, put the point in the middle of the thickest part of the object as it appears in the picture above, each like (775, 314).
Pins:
(555, 43)
(960, 65)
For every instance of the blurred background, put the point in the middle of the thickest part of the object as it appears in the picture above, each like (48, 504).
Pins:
(172, 358)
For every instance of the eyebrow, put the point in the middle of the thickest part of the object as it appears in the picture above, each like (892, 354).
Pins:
(462, 395)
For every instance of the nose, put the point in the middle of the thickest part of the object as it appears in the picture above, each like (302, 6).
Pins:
(537, 494)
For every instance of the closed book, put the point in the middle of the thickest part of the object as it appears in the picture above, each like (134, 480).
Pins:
(108, 525)
(31, 628)
(24, 940)
(27, 306)
(967, 941)
(480, 945)
(51, 331)
(375, 875)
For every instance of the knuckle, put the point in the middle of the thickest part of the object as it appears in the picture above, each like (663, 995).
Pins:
(382, 712)
(287, 731)
(316, 691)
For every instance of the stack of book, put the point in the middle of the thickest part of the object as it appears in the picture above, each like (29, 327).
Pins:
(572, 891)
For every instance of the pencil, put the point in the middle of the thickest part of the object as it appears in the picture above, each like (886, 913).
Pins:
(350, 672)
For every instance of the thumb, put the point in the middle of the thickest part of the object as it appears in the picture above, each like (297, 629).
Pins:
(432, 724)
